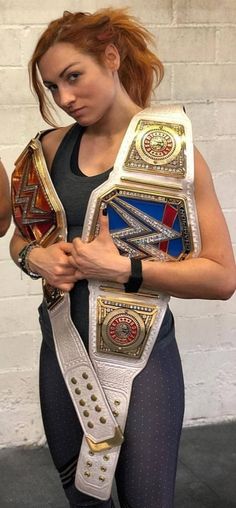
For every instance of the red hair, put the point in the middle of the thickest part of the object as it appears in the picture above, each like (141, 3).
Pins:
(91, 33)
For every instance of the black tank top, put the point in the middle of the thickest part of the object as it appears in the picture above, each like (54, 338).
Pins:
(74, 189)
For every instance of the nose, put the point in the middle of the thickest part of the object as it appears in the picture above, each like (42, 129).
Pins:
(66, 97)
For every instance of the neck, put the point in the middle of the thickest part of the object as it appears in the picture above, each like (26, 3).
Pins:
(116, 119)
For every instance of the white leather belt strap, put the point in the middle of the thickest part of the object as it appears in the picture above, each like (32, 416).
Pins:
(95, 471)
(96, 418)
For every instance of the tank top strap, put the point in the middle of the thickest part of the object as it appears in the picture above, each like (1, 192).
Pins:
(65, 150)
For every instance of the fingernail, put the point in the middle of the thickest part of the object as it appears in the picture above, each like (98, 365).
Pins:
(104, 211)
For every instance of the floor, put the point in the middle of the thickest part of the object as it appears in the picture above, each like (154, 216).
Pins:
(206, 476)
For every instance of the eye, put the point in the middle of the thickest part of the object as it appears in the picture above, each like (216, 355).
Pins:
(73, 76)
(51, 87)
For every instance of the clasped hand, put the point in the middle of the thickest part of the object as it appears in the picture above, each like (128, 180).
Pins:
(99, 259)
(63, 264)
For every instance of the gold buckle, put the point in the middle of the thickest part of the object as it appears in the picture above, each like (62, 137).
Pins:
(114, 441)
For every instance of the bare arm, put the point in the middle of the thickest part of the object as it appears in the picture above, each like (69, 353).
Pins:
(5, 202)
(210, 276)
(213, 274)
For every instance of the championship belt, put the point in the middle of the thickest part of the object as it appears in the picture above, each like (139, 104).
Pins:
(152, 216)
(39, 215)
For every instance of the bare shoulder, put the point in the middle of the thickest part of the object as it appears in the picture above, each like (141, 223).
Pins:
(203, 182)
(51, 141)
(4, 182)
(210, 215)
(2, 170)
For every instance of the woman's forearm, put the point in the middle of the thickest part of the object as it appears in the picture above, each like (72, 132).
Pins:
(193, 278)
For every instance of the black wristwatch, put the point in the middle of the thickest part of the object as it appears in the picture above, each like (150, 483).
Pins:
(23, 260)
(135, 280)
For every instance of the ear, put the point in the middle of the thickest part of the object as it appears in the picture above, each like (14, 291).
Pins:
(112, 57)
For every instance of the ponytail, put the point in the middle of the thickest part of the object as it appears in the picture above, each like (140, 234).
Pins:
(140, 69)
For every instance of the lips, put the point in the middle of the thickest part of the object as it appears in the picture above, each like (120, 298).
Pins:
(76, 112)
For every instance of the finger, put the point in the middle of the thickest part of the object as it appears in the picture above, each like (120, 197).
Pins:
(69, 270)
(79, 275)
(72, 262)
(66, 287)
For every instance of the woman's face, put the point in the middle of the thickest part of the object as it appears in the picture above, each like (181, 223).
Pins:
(78, 84)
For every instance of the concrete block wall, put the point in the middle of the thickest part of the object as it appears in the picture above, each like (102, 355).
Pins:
(197, 42)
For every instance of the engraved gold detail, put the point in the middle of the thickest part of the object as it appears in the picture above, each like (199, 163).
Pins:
(123, 326)
(52, 295)
(152, 183)
(123, 329)
(158, 147)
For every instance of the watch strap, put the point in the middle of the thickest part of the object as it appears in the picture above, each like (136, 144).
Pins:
(135, 279)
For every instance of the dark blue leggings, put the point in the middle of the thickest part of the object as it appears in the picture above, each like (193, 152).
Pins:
(145, 475)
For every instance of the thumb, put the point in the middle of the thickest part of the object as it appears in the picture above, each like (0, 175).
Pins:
(103, 223)
(66, 247)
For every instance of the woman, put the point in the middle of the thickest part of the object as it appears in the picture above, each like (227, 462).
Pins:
(98, 69)
(5, 206)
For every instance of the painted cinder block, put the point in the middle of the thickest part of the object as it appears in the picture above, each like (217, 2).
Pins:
(19, 313)
(226, 118)
(186, 44)
(200, 11)
(10, 46)
(12, 95)
(227, 44)
(21, 426)
(19, 351)
(204, 81)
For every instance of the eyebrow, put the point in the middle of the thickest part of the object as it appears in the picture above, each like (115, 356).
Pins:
(47, 82)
